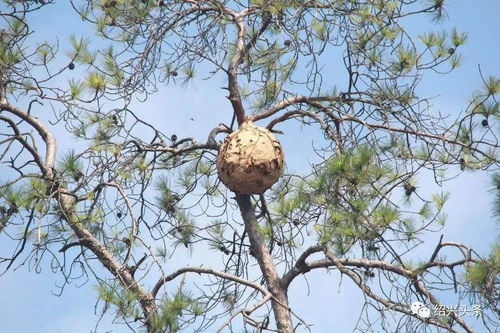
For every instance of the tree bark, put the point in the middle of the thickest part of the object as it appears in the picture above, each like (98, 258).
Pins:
(259, 248)
(66, 203)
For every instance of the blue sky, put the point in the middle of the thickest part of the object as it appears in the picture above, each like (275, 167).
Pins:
(28, 304)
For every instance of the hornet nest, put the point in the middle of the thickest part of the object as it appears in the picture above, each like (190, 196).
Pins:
(250, 160)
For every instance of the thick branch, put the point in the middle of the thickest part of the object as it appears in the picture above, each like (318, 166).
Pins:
(242, 49)
(66, 204)
(210, 271)
(24, 143)
(289, 101)
(315, 102)
(384, 301)
(105, 257)
(301, 267)
(48, 138)
(261, 252)
(234, 91)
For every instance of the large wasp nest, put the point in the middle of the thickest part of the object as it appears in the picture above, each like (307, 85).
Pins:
(250, 160)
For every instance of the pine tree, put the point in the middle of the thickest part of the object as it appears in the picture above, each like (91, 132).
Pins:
(145, 204)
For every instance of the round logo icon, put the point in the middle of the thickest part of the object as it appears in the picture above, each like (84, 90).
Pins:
(424, 312)
(419, 309)
(415, 306)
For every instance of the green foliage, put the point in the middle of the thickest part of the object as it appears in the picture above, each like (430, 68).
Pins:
(110, 65)
(82, 54)
(70, 165)
(439, 12)
(456, 60)
(45, 52)
(278, 6)
(172, 308)
(492, 85)
(458, 38)
(393, 94)
(161, 253)
(107, 293)
(351, 201)
(348, 187)
(495, 182)
(320, 29)
(430, 39)
(488, 108)
(481, 275)
(390, 33)
(30, 195)
(79, 45)
(125, 301)
(440, 199)
(205, 168)
(426, 211)
(166, 199)
(187, 178)
(9, 56)
(95, 81)
(385, 215)
(185, 229)
(407, 58)
(189, 71)
(344, 185)
(76, 89)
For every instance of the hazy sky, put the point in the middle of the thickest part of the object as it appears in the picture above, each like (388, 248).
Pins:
(27, 304)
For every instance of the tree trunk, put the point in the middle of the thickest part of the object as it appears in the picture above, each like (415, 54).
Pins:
(261, 251)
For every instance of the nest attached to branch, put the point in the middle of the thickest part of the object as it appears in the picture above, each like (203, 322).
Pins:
(250, 160)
